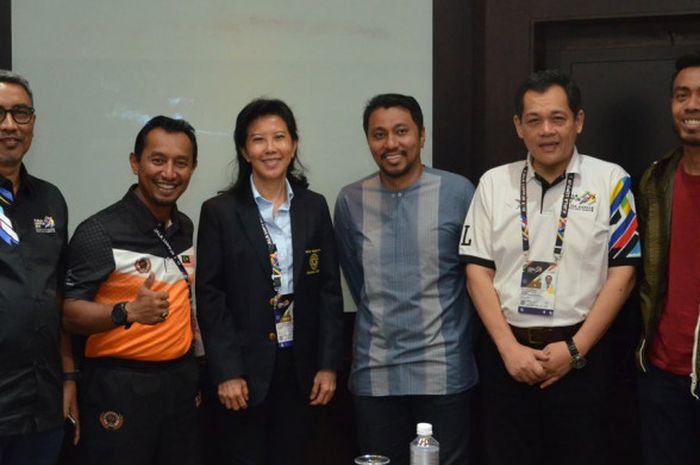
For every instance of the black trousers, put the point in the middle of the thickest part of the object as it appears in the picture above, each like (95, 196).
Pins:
(275, 432)
(387, 425)
(670, 418)
(561, 424)
(139, 413)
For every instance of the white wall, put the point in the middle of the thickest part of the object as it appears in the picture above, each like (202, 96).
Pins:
(99, 70)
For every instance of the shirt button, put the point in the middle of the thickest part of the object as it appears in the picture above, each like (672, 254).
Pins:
(272, 337)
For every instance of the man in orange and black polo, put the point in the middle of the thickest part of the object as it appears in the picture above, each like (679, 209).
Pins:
(128, 288)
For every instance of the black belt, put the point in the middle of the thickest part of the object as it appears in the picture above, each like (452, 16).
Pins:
(542, 335)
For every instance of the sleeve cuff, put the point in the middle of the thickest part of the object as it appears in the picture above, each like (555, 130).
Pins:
(470, 259)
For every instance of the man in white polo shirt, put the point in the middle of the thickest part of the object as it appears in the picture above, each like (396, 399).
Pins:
(550, 245)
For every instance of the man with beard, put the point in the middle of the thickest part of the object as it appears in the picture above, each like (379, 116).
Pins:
(128, 288)
(670, 290)
(398, 232)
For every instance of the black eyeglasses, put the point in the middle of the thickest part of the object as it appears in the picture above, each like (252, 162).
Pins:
(21, 115)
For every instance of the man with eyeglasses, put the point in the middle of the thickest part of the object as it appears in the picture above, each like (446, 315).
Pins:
(33, 234)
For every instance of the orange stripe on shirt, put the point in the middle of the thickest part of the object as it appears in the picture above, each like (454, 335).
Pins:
(168, 340)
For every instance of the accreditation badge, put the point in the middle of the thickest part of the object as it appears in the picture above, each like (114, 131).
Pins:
(284, 322)
(538, 288)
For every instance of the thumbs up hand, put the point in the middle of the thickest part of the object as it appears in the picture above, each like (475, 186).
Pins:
(150, 307)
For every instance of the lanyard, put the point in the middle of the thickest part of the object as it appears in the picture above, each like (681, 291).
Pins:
(6, 196)
(561, 229)
(176, 259)
(197, 343)
(274, 260)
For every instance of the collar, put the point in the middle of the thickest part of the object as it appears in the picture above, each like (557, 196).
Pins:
(145, 221)
(26, 186)
(416, 184)
(574, 166)
(546, 184)
(262, 201)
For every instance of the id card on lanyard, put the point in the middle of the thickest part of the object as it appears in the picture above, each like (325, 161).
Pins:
(196, 333)
(538, 282)
(282, 305)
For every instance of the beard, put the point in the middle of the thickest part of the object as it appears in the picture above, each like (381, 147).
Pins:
(693, 140)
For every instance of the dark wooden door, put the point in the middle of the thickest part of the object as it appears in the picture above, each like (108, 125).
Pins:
(623, 67)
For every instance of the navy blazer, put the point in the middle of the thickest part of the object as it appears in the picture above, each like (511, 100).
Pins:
(234, 288)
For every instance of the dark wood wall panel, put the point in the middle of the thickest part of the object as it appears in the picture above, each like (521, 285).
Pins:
(454, 38)
(5, 35)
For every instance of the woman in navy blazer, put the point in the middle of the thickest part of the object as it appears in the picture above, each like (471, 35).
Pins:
(269, 367)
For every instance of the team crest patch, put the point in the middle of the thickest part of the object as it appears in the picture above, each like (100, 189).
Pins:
(111, 421)
(584, 202)
(45, 225)
(314, 261)
(187, 259)
(143, 265)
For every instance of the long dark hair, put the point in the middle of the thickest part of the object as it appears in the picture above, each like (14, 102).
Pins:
(254, 110)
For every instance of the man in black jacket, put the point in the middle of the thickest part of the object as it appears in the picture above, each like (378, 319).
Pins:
(33, 234)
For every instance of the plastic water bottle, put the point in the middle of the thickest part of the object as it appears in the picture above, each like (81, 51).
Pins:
(425, 450)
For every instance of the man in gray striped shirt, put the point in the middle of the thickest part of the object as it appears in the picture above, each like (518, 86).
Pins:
(398, 232)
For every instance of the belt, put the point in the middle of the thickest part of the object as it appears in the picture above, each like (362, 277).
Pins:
(541, 335)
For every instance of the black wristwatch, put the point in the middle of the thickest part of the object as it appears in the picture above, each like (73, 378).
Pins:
(120, 317)
(578, 361)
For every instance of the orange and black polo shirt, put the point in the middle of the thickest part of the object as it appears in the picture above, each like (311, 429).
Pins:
(109, 257)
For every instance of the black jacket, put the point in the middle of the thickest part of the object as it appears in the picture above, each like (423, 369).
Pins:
(234, 287)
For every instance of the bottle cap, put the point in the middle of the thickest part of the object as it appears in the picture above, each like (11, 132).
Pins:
(424, 429)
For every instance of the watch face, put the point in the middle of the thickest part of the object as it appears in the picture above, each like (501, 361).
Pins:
(578, 362)
(119, 315)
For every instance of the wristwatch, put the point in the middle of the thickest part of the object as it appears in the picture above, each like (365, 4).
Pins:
(578, 361)
(120, 317)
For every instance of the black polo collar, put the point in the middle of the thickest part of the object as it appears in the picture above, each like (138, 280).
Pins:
(145, 220)
(26, 186)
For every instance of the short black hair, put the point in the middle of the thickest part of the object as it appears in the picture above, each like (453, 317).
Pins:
(256, 109)
(14, 78)
(169, 125)
(390, 101)
(541, 81)
(689, 60)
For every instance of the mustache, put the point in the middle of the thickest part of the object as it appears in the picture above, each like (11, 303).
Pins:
(392, 152)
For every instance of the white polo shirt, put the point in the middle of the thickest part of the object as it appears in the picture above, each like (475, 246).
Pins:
(601, 232)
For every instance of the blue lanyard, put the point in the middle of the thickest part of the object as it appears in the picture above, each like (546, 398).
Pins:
(176, 259)
(274, 263)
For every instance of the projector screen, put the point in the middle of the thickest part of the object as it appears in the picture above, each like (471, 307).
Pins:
(100, 70)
